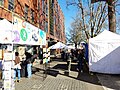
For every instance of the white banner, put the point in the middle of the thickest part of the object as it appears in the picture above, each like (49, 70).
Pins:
(5, 32)
(26, 33)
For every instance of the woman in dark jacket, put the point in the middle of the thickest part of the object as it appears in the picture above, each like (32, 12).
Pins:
(80, 56)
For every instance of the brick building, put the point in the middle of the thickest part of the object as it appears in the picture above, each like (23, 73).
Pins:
(44, 14)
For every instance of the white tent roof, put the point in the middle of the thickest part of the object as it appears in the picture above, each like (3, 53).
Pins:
(5, 25)
(105, 36)
(104, 53)
(70, 47)
(58, 45)
(5, 31)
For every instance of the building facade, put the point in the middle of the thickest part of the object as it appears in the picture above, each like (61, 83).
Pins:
(44, 14)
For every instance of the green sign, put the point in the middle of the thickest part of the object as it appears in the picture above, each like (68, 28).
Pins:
(23, 34)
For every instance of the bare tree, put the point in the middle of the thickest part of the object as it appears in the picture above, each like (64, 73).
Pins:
(75, 34)
(118, 25)
(93, 16)
(117, 5)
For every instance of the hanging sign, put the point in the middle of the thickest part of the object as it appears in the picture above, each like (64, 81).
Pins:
(26, 33)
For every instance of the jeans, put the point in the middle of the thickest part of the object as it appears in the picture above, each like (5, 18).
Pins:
(69, 65)
(29, 70)
(17, 71)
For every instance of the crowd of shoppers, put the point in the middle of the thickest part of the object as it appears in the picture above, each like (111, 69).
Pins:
(26, 65)
(69, 55)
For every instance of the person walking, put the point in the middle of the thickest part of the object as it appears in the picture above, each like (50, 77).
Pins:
(68, 59)
(63, 55)
(17, 66)
(80, 60)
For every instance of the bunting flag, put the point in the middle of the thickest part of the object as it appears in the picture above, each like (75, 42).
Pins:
(94, 1)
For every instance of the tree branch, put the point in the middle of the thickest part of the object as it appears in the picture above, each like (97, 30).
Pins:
(101, 24)
(103, 10)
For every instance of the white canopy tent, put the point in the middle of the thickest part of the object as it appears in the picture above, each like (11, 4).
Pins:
(5, 25)
(58, 45)
(70, 47)
(104, 53)
(5, 32)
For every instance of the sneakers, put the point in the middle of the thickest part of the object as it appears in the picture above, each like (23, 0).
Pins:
(17, 81)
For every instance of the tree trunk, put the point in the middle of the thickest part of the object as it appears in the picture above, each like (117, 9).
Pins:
(111, 16)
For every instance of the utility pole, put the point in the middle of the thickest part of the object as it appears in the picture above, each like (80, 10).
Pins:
(111, 14)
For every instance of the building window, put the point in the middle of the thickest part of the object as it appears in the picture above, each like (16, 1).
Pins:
(53, 4)
(56, 9)
(38, 4)
(54, 20)
(52, 1)
(11, 5)
(46, 10)
(26, 12)
(1, 2)
(43, 5)
(46, 26)
(32, 15)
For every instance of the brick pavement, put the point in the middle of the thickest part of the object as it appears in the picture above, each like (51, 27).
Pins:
(109, 81)
(32, 83)
(58, 79)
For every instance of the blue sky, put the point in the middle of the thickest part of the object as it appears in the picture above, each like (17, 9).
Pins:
(68, 13)
(71, 12)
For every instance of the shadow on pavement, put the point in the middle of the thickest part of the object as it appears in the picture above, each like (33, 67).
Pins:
(64, 67)
(60, 66)
(84, 76)
(53, 72)
(111, 81)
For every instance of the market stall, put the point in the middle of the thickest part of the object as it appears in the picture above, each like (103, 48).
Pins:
(20, 33)
(104, 53)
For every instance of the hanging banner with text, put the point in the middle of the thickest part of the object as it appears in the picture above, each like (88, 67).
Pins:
(26, 33)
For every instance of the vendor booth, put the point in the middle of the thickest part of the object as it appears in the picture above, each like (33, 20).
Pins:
(58, 45)
(21, 33)
(104, 53)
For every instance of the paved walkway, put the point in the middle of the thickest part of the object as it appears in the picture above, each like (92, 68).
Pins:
(109, 82)
(59, 79)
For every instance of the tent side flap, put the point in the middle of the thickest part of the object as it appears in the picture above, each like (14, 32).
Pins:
(104, 55)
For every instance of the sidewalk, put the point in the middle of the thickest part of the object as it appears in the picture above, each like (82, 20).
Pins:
(109, 82)
(58, 79)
